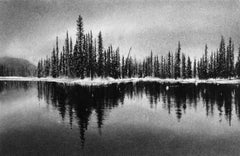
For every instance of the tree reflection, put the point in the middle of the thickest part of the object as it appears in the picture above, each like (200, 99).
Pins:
(78, 103)
(14, 85)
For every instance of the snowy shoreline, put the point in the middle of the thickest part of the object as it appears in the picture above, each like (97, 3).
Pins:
(106, 81)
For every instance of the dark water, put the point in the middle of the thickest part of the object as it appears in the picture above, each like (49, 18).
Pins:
(126, 119)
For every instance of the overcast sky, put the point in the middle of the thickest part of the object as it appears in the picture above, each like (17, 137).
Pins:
(28, 28)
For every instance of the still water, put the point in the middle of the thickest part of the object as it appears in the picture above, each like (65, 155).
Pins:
(119, 119)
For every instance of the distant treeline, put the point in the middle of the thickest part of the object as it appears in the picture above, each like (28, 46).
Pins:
(9, 71)
(10, 66)
(88, 58)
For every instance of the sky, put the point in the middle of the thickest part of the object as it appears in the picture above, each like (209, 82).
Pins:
(28, 28)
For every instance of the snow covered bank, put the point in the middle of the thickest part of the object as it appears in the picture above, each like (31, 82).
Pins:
(106, 81)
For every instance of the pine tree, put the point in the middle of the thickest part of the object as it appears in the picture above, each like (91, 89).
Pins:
(95, 58)
(61, 62)
(46, 67)
(238, 64)
(156, 67)
(184, 74)
(39, 69)
(56, 59)
(54, 67)
(85, 56)
(211, 67)
(151, 64)
(222, 60)
(118, 64)
(177, 61)
(169, 65)
(189, 68)
(230, 59)
(100, 55)
(63, 59)
(91, 56)
(71, 60)
(67, 56)
(218, 66)
(162, 68)
(205, 63)
(123, 67)
(195, 68)
(75, 60)
(215, 65)
(172, 66)
(105, 64)
(129, 67)
(79, 49)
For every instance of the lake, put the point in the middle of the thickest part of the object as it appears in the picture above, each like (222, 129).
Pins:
(144, 118)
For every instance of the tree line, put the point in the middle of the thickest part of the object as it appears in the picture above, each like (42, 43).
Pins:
(11, 71)
(88, 58)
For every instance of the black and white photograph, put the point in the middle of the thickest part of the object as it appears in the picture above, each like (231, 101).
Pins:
(119, 77)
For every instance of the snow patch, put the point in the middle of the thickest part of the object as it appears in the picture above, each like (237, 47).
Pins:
(109, 80)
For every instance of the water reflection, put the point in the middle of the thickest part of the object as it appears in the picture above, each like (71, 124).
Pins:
(79, 102)
(5, 85)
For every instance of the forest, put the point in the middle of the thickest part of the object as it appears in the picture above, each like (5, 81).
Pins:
(10, 66)
(87, 57)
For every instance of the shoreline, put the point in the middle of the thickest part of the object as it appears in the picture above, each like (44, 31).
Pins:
(108, 80)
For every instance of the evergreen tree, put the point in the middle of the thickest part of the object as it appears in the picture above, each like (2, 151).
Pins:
(205, 63)
(238, 64)
(46, 67)
(211, 67)
(118, 64)
(91, 56)
(156, 67)
(123, 67)
(100, 55)
(184, 74)
(169, 64)
(177, 61)
(95, 64)
(63, 60)
(222, 64)
(85, 56)
(162, 67)
(189, 68)
(195, 68)
(172, 66)
(39, 69)
(54, 64)
(67, 56)
(151, 64)
(79, 49)
(230, 59)
(215, 65)
(71, 60)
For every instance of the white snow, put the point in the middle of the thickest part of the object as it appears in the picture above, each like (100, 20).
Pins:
(109, 80)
